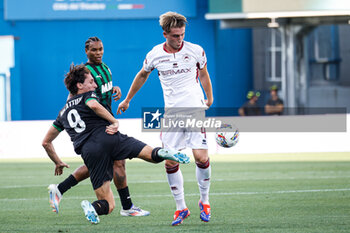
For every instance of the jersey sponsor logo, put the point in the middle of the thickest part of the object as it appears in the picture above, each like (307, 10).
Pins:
(106, 87)
(173, 72)
(165, 60)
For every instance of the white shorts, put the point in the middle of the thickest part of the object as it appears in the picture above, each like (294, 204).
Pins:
(184, 139)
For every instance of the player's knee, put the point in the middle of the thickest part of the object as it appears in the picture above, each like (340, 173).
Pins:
(119, 164)
(203, 163)
(111, 207)
(171, 168)
(202, 160)
(81, 173)
(170, 163)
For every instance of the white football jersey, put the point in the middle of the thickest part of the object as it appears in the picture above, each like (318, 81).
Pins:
(178, 74)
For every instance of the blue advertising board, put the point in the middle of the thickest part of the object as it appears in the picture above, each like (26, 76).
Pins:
(94, 9)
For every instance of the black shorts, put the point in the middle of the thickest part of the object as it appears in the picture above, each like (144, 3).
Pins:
(101, 149)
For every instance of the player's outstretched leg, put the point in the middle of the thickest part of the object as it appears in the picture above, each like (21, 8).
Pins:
(205, 211)
(134, 211)
(55, 197)
(90, 212)
(157, 155)
(173, 155)
(180, 216)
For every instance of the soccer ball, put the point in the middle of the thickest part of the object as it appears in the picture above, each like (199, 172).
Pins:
(227, 136)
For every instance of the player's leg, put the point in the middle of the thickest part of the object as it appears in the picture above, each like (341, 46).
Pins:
(196, 139)
(129, 147)
(157, 155)
(96, 153)
(203, 174)
(174, 175)
(56, 191)
(104, 193)
(176, 184)
(103, 206)
(119, 178)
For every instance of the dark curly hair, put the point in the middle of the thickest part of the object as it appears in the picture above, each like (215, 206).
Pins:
(91, 39)
(75, 75)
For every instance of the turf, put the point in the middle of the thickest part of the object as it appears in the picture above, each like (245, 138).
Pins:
(255, 196)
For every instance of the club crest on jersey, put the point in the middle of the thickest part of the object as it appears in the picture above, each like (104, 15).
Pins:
(186, 58)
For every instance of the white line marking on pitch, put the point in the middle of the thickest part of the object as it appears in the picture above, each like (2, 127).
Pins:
(191, 194)
(213, 180)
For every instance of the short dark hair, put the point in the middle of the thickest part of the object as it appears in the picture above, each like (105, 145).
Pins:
(91, 39)
(75, 75)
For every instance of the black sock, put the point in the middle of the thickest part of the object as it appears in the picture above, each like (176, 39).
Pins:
(125, 198)
(69, 182)
(101, 207)
(155, 156)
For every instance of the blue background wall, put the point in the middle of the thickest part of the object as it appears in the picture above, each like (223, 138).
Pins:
(45, 49)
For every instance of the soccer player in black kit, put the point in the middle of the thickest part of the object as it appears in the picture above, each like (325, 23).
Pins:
(105, 90)
(94, 133)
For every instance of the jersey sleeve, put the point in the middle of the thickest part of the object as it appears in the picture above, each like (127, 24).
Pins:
(148, 63)
(57, 124)
(91, 95)
(201, 57)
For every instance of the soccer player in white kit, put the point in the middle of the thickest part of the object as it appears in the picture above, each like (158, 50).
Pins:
(182, 68)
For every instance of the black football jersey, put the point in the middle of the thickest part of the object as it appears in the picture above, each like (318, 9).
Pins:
(78, 119)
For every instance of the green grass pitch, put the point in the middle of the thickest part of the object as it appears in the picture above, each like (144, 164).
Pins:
(249, 193)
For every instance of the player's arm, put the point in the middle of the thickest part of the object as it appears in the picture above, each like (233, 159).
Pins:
(206, 84)
(51, 134)
(136, 85)
(105, 114)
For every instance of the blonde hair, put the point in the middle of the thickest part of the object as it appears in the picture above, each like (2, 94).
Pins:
(170, 20)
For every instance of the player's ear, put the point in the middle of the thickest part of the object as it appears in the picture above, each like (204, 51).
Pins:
(79, 86)
(164, 34)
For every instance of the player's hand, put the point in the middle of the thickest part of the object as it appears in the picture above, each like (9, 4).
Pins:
(123, 106)
(59, 168)
(117, 93)
(112, 128)
(209, 102)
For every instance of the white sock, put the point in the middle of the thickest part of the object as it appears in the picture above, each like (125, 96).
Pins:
(176, 184)
(203, 179)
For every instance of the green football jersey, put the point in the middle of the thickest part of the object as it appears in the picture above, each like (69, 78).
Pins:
(103, 78)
